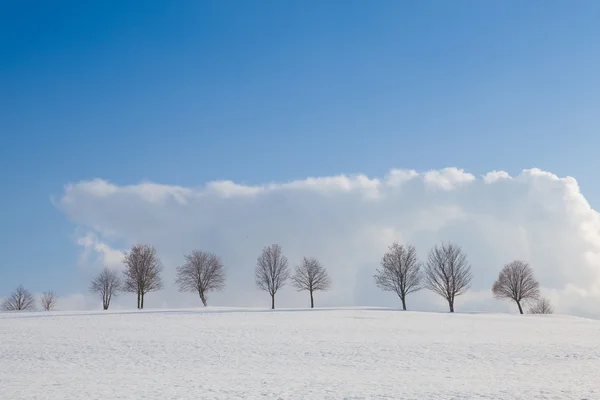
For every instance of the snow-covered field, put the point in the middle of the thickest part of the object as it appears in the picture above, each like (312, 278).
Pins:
(297, 354)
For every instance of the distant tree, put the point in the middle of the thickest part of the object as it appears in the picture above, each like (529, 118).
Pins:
(400, 271)
(541, 306)
(19, 300)
(48, 300)
(516, 282)
(142, 272)
(271, 271)
(311, 276)
(448, 273)
(107, 284)
(202, 272)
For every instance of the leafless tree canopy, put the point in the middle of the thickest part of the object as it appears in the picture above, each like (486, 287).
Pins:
(516, 282)
(203, 272)
(142, 273)
(48, 300)
(541, 306)
(19, 300)
(448, 273)
(310, 275)
(400, 271)
(272, 271)
(107, 284)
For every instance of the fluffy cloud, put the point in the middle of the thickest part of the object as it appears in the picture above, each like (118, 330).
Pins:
(95, 252)
(348, 222)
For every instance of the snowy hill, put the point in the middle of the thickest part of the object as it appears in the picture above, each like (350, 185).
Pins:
(297, 354)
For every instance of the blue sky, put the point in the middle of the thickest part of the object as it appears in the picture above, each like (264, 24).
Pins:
(188, 92)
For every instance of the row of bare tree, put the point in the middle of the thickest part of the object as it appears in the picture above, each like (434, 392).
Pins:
(204, 272)
(142, 275)
(22, 300)
(448, 274)
(272, 273)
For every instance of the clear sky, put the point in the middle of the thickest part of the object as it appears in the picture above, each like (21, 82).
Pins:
(187, 92)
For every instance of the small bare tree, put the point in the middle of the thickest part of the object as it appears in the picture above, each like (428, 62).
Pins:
(271, 271)
(203, 272)
(400, 271)
(448, 273)
(142, 273)
(19, 300)
(107, 284)
(310, 275)
(48, 300)
(516, 282)
(541, 306)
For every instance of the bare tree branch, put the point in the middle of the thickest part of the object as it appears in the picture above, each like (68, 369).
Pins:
(311, 276)
(48, 300)
(19, 300)
(142, 273)
(203, 272)
(107, 284)
(400, 271)
(448, 273)
(516, 282)
(541, 306)
(271, 271)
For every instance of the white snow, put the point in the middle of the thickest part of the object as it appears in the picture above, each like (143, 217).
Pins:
(297, 354)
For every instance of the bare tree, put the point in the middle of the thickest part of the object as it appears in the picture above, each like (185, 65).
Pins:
(310, 275)
(202, 272)
(448, 273)
(19, 300)
(541, 306)
(516, 282)
(142, 273)
(107, 284)
(48, 300)
(400, 271)
(271, 271)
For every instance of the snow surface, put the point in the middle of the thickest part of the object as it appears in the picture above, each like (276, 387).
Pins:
(297, 354)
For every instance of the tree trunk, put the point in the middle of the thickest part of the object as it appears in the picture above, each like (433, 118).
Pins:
(138, 293)
(519, 304)
(203, 298)
(272, 302)
(404, 303)
(451, 304)
(142, 303)
(312, 300)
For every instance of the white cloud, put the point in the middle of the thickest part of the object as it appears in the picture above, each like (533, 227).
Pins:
(96, 252)
(447, 178)
(347, 222)
(494, 176)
